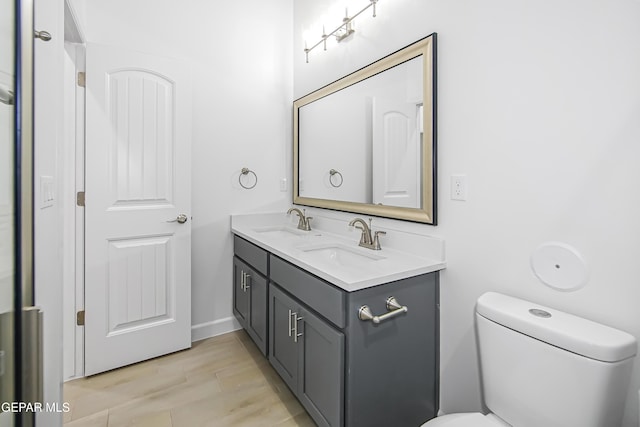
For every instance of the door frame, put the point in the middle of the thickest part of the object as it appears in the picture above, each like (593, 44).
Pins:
(72, 181)
(73, 215)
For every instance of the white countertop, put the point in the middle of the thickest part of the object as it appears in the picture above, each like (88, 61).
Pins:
(349, 267)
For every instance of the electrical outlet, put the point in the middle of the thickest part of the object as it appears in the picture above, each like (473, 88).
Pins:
(459, 187)
(283, 184)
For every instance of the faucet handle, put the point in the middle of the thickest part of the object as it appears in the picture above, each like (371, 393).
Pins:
(376, 239)
(307, 223)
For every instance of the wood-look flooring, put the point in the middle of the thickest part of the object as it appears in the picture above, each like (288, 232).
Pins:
(222, 381)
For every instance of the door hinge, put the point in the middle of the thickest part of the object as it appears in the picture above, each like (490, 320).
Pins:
(80, 318)
(80, 198)
(82, 79)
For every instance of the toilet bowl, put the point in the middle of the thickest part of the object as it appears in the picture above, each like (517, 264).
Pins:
(474, 419)
(544, 367)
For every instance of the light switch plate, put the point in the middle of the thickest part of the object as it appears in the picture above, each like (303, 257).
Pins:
(47, 191)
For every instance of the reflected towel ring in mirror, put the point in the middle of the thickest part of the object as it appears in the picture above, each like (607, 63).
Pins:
(245, 172)
(332, 173)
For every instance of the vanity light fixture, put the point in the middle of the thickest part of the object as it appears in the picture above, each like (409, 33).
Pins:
(343, 31)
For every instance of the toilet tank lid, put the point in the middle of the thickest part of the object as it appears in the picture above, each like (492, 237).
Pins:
(572, 333)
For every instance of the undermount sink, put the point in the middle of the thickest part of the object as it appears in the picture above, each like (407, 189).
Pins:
(342, 255)
(281, 231)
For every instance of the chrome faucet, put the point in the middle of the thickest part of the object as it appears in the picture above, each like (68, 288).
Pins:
(366, 241)
(303, 221)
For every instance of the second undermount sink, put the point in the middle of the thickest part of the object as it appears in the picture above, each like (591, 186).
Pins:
(281, 231)
(342, 255)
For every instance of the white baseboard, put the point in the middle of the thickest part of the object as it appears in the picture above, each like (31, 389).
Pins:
(212, 329)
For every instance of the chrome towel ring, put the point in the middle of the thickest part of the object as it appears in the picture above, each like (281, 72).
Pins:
(332, 173)
(245, 172)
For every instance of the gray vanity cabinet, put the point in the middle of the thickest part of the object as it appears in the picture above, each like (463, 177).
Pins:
(384, 374)
(250, 291)
(392, 375)
(345, 371)
(308, 354)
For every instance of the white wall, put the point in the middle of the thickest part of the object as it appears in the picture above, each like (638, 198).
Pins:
(240, 56)
(48, 118)
(538, 104)
(7, 211)
(7, 28)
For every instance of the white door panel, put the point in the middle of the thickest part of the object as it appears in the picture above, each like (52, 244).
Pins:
(396, 153)
(138, 272)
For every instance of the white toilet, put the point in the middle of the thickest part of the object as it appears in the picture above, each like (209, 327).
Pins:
(541, 367)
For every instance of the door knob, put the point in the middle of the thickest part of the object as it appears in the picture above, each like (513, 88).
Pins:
(181, 219)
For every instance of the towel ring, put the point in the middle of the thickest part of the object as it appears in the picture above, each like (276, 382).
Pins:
(333, 172)
(247, 171)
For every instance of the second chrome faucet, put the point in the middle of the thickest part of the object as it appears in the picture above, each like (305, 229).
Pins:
(366, 240)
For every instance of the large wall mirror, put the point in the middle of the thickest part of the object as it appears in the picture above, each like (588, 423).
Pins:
(366, 142)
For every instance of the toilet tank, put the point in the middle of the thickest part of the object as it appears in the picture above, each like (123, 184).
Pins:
(543, 367)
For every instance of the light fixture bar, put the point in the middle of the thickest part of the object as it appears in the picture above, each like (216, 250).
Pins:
(346, 27)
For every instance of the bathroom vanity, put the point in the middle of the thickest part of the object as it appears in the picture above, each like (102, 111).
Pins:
(317, 307)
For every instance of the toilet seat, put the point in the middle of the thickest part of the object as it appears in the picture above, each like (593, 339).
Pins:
(474, 419)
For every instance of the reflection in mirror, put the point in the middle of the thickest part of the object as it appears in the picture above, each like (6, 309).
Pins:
(365, 143)
(376, 141)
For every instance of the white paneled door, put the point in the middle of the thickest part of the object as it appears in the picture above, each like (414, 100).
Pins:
(138, 208)
(397, 153)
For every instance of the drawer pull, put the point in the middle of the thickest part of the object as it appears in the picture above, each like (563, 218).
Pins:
(393, 307)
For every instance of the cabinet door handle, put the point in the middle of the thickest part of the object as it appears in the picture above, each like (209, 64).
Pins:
(394, 308)
(243, 281)
(296, 319)
(289, 323)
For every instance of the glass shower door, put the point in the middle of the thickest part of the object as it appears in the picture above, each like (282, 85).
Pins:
(9, 284)
(20, 324)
